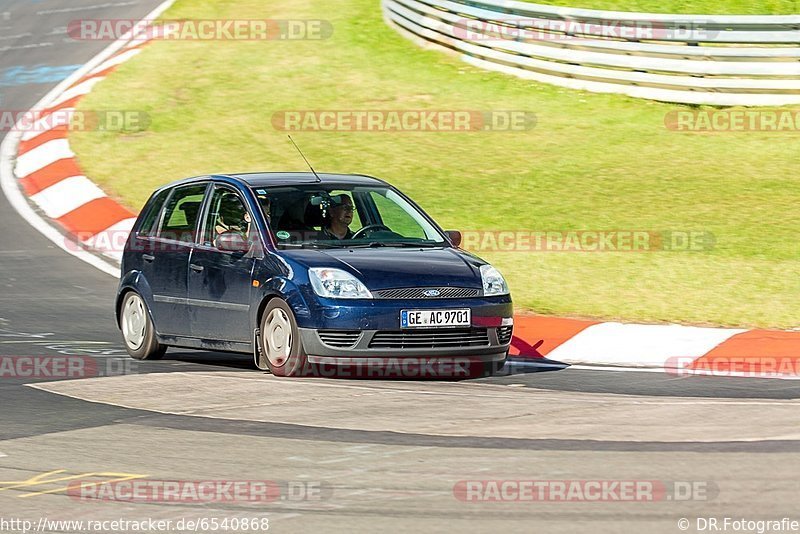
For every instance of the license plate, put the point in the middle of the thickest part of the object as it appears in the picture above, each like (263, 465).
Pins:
(434, 318)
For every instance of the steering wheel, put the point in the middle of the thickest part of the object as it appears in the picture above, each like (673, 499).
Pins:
(370, 228)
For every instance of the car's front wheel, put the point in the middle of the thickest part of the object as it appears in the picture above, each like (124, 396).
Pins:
(138, 330)
(280, 340)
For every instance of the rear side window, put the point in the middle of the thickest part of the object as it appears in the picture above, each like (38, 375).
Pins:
(182, 212)
(149, 224)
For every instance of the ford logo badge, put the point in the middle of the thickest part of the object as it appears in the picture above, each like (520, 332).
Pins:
(431, 293)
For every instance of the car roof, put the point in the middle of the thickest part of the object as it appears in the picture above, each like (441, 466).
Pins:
(266, 179)
(273, 179)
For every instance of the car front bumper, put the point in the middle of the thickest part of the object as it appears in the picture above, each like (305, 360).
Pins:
(363, 351)
(373, 333)
(364, 361)
(384, 314)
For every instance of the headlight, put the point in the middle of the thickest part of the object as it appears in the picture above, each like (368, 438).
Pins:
(493, 282)
(337, 284)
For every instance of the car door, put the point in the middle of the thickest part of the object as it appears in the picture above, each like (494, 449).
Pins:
(220, 282)
(165, 258)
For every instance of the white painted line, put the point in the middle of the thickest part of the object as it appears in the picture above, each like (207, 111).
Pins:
(45, 124)
(3, 455)
(120, 58)
(111, 241)
(722, 375)
(67, 195)
(8, 151)
(11, 189)
(642, 345)
(79, 90)
(618, 368)
(115, 255)
(42, 156)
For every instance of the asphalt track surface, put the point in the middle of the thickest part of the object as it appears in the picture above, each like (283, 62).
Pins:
(386, 453)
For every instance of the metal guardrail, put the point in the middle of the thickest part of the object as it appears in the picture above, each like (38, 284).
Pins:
(692, 59)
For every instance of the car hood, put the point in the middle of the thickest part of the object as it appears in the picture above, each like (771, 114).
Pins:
(385, 268)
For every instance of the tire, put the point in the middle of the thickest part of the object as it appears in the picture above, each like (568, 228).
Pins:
(138, 331)
(280, 340)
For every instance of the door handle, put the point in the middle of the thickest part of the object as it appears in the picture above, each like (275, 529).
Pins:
(148, 258)
(196, 268)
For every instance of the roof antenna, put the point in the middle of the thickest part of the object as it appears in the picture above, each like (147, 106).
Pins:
(304, 158)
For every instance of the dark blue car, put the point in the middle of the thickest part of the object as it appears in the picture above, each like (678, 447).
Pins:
(302, 270)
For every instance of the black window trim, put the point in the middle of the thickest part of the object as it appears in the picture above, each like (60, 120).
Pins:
(149, 208)
(204, 212)
(163, 213)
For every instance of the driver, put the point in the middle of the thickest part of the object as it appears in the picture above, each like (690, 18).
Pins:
(338, 219)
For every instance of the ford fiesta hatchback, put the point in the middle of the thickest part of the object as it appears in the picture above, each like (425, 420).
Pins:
(301, 269)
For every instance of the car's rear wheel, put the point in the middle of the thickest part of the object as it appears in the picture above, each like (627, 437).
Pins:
(138, 330)
(280, 340)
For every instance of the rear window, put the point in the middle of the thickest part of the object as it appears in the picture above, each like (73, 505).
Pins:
(182, 212)
(150, 221)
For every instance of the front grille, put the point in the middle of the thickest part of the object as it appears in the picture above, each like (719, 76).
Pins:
(419, 293)
(339, 339)
(504, 334)
(430, 339)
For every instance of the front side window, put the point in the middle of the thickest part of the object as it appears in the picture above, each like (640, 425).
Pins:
(226, 214)
(397, 215)
(182, 212)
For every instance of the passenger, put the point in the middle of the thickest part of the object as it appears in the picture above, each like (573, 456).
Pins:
(232, 217)
(338, 219)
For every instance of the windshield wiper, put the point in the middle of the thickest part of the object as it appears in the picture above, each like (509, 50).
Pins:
(404, 244)
(309, 245)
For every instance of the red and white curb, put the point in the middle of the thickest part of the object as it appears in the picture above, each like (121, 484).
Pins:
(679, 350)
(40, 163)
(36, 161)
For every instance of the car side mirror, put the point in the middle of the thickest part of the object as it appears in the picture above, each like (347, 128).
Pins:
(455, 237)
(232, 242)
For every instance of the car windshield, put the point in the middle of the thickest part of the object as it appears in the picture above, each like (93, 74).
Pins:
(323, 216)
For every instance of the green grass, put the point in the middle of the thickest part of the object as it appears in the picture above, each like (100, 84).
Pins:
(592, 162)
(692, 7)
